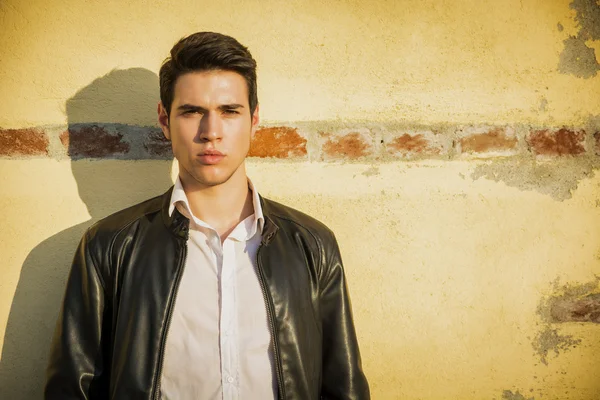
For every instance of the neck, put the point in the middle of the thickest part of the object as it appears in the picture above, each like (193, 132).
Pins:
(221, 206)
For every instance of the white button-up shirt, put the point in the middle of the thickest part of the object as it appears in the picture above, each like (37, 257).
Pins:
(219, 342)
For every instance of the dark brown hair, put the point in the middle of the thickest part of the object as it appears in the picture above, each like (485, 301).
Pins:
(206, 51)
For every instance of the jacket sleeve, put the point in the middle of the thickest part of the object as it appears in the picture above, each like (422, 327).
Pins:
(343, 377)
(76, 368)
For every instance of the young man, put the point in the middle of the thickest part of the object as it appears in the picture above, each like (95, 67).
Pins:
(209, 291)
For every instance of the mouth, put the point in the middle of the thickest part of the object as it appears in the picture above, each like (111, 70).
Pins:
(210, 157)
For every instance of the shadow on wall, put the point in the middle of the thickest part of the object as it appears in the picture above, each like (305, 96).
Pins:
(105, 186)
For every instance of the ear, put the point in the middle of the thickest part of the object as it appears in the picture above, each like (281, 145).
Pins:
(255, 120)
(163, 120)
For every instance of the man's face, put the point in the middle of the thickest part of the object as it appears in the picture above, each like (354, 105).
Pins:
(210, 126)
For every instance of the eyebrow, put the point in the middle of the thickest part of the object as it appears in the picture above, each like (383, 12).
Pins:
(191, 107)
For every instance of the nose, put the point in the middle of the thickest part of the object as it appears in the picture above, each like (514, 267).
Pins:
(210, 127)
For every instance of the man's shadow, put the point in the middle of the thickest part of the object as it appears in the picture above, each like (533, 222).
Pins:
(105, 186)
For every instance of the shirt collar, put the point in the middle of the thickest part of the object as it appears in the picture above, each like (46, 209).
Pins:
(258, 213)
(180, 200)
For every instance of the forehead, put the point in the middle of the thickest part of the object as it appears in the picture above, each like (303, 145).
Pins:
(210, 87)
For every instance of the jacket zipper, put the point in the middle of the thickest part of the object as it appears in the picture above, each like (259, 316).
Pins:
(168, 324)
(270, 312)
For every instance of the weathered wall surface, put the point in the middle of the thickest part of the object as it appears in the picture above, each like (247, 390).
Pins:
(453, 146)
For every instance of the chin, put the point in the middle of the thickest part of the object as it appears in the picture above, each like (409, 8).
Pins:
(210, 175)
(211, 183)
(211, 179)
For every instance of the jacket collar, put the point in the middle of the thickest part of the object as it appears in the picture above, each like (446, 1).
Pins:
(270, 228)
(179, 225)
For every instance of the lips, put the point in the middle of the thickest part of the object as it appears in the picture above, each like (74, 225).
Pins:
(210, 157)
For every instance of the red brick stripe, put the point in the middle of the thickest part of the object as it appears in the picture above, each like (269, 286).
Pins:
(413, 145)
(557, 143)
(93, 141)
(493, 140)
(349, 146)
(278, 142)
(23, 142)
(361, 143)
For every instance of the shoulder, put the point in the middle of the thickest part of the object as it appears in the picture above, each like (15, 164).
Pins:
(314, 237)
(106, 229)
(290, 218)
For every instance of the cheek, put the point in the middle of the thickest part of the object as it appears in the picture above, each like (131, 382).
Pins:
(184, 132)
(239, 130)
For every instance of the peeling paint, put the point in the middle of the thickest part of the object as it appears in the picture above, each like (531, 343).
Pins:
(572, 303)
(588, 18)
(586, 309)
(577, 58)
(557, 179)
(509, 395)
(549, 339)
(373, 170)
(543, 107)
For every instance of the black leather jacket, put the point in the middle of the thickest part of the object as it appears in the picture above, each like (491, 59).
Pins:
(111, 331)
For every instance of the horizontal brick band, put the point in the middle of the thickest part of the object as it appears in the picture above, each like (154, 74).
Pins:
(312, 141)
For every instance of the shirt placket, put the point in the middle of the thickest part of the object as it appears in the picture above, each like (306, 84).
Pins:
(227, 337)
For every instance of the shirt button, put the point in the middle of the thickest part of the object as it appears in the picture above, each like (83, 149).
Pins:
(230, 379)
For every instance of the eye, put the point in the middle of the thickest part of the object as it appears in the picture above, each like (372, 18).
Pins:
(231, 111)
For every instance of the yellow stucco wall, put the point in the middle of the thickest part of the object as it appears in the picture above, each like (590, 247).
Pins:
(447, 261)
(427, 61)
